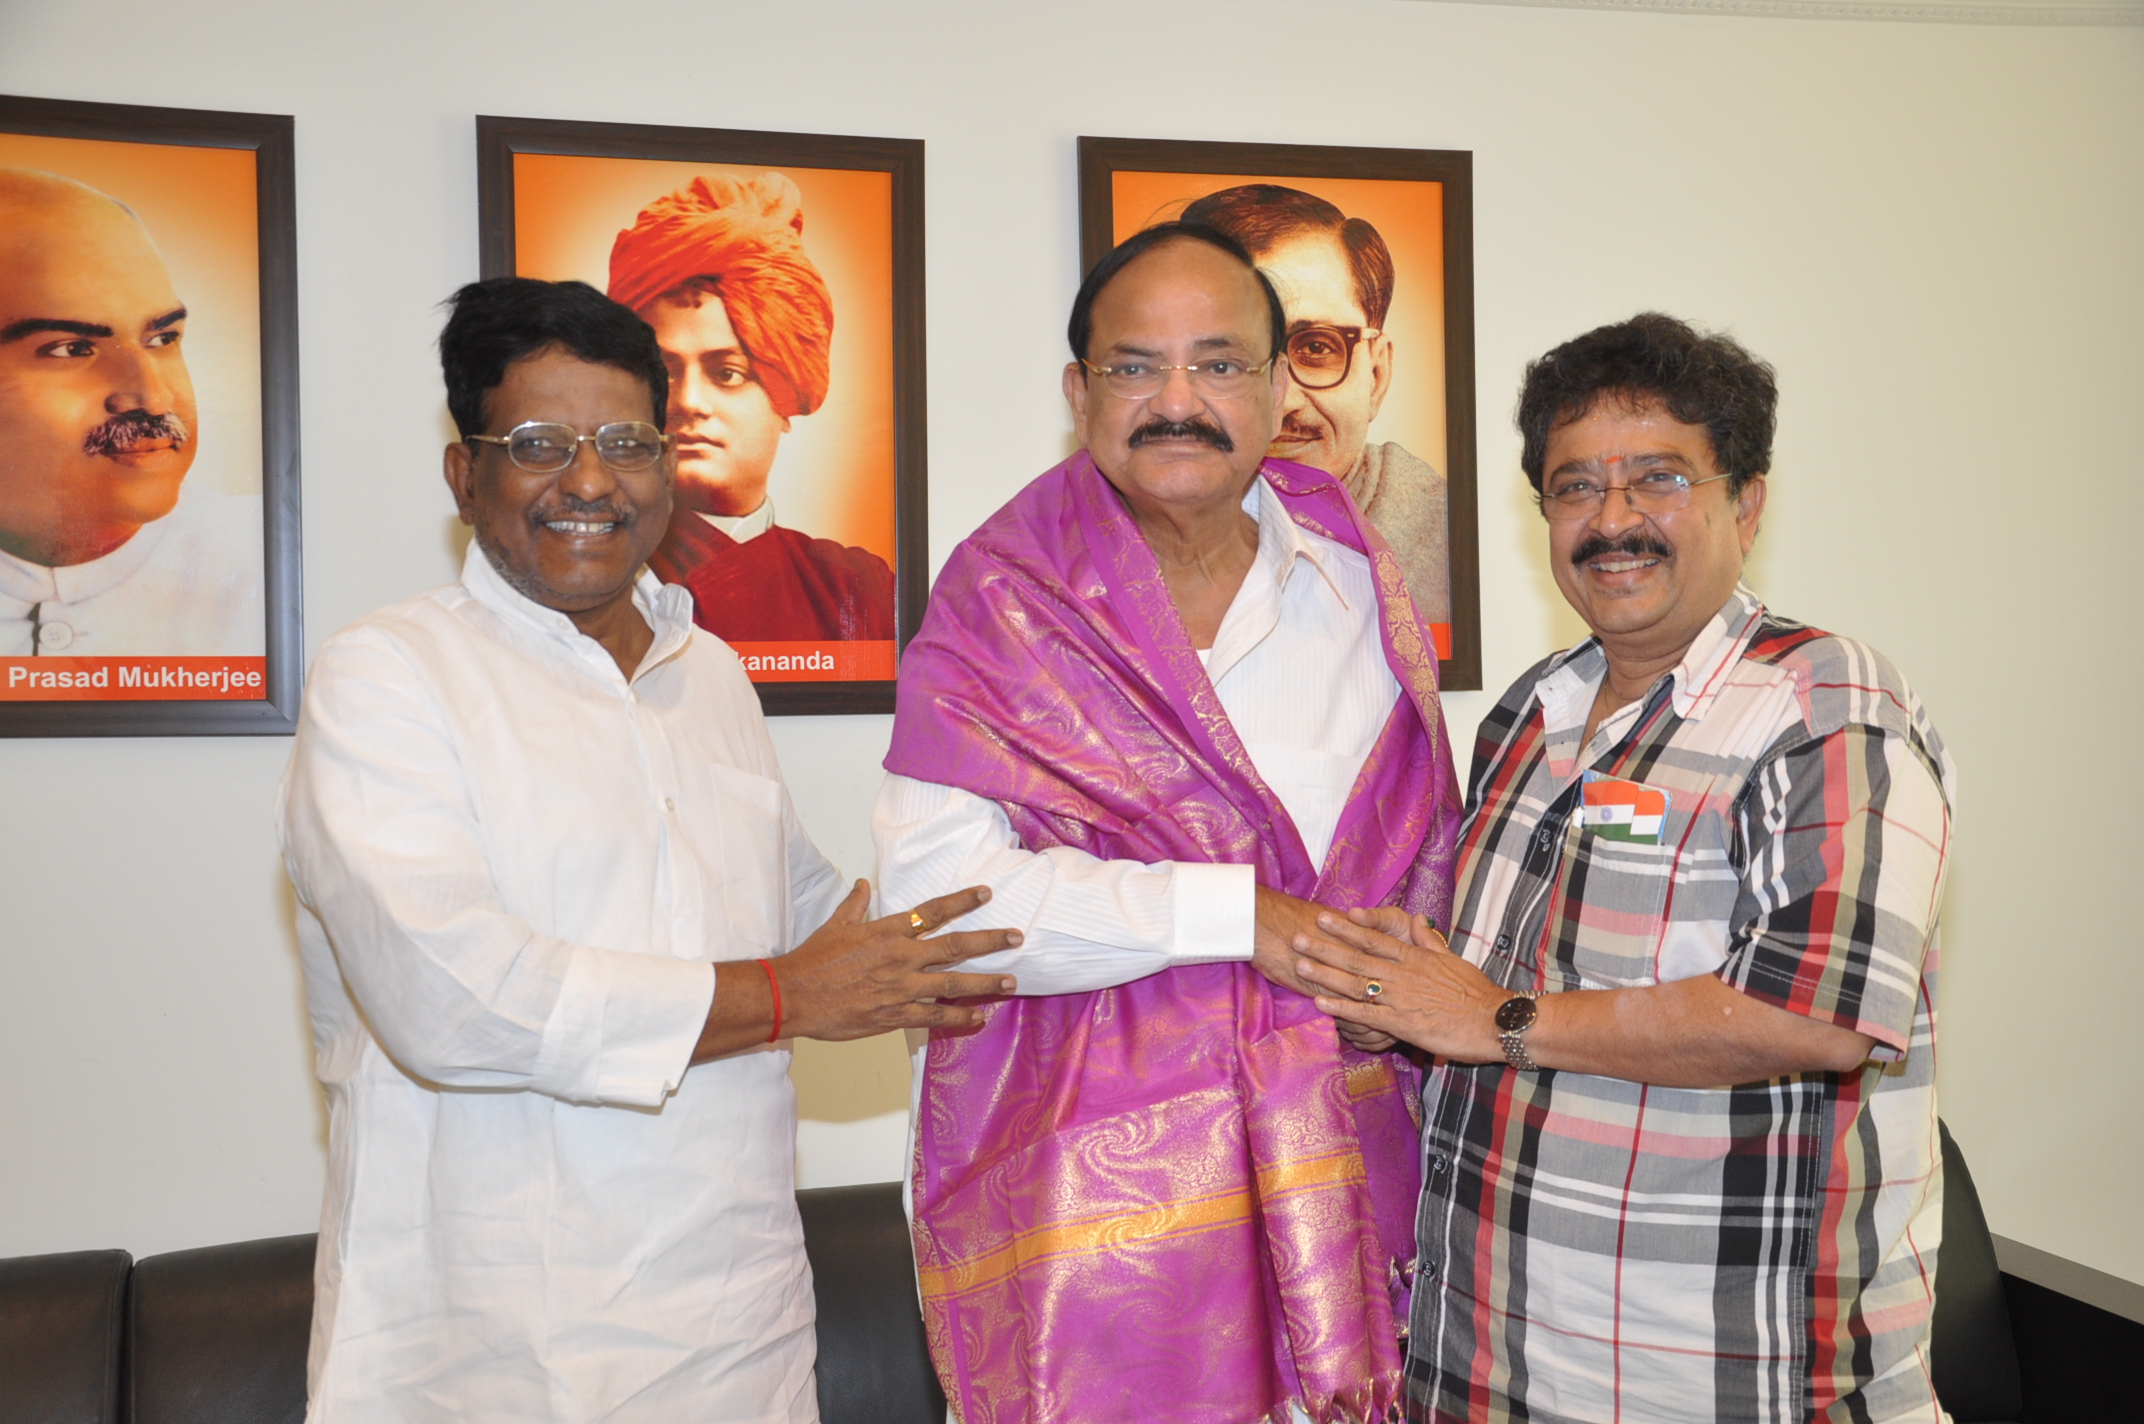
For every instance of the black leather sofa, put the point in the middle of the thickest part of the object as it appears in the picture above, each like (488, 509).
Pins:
(218, 1335)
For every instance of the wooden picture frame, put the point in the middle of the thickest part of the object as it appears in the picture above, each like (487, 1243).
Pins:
(1426, 198)
(179, 631)
(553, 195)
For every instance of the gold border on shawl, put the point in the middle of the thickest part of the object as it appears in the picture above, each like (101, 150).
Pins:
(1121, 1230)
(1402, 624)
(1367, 1080)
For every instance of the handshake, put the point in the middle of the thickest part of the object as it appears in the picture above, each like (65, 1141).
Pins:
(1384, 975)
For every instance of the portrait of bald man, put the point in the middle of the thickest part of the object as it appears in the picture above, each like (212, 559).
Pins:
(1335, 277)
(745, 322)
(104, 548)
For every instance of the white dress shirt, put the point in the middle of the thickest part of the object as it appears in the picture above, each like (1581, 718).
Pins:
(186, 585)
(1299, 666)
(515, 869)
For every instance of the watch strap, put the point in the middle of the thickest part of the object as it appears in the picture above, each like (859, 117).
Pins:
(1514, 1041)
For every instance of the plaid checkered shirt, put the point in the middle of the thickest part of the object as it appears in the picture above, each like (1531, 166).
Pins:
(1600, 1250)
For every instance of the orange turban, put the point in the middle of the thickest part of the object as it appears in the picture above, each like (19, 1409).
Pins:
(747, 237)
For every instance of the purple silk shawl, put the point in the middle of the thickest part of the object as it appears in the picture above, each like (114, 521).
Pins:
(1182, 1198)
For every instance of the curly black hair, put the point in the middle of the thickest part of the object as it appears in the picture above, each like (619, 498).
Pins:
(1701, 378)
(501, 320)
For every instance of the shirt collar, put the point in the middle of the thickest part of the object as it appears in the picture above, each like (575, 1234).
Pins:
(1282, 540)
(1283, 549)
(1566, 690)
(667, 607)
(745, 527)
(1717, 647)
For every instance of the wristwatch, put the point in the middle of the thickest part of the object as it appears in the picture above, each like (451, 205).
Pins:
(1513, 1017)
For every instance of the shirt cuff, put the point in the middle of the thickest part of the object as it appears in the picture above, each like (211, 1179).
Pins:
(1216, 911)
(624, 1027)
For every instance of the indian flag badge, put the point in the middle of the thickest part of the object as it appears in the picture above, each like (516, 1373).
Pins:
(1623, 810)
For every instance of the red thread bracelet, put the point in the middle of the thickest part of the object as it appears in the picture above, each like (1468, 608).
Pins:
(775, 985)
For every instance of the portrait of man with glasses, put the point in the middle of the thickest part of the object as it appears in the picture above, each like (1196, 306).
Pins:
(1335, 277)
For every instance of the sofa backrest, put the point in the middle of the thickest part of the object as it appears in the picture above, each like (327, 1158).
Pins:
(218, 1335)
(62, 1322)
(873, 1363)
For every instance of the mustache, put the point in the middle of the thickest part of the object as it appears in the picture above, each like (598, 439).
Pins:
(1193, 429)
(135, 427)
(1294, 428)
(1637, 544)
(571, 506)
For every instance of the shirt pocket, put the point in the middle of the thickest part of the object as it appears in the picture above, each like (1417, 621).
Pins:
(1619, 896)
(749, 864)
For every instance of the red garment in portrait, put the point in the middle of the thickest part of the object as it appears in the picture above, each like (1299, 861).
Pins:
(780, 587)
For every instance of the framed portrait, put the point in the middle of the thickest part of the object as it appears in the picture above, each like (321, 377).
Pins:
(783, 275)
(1372, 253)
(149, 543)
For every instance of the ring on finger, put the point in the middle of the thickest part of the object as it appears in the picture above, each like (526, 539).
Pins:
(1371, 989)
(916, 920)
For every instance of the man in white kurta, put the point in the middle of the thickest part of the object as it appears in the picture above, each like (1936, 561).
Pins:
(530, 864)
(539, 838)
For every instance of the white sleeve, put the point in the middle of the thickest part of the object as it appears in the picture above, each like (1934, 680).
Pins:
(384, 849)
(1087, 923)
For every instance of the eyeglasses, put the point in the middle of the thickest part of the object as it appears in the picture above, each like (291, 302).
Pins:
(1321, 356)
(1654, 492)
(544, 447)
(1223, 377)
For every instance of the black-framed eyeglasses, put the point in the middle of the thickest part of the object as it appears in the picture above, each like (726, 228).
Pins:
(544, 447)
(1321, 356)
(1223, 377)
(1654, 492)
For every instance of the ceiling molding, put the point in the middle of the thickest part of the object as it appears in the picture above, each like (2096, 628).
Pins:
(1941, 12)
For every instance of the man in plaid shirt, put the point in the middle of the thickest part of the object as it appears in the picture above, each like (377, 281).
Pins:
(1681, 1155)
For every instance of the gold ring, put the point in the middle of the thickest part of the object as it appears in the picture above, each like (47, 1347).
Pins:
(915, 920)
(1371, 988)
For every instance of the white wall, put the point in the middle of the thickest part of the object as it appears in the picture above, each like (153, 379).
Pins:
(1932, 230)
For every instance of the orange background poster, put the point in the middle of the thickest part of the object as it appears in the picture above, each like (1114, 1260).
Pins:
(1409, 216)
(834, 475)
(200, 207)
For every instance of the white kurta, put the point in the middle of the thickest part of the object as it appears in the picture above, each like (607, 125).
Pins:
(186, 585)
(514, 871)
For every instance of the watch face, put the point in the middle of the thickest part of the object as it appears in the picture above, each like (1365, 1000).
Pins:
(1515, 1014)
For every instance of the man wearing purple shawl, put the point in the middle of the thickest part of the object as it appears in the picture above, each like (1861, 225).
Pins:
(1168, 703)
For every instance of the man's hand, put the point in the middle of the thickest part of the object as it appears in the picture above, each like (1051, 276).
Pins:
(1391, 920)
(1688, 1033)
(1425, 994)
(855, 977)
(1282, 919)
